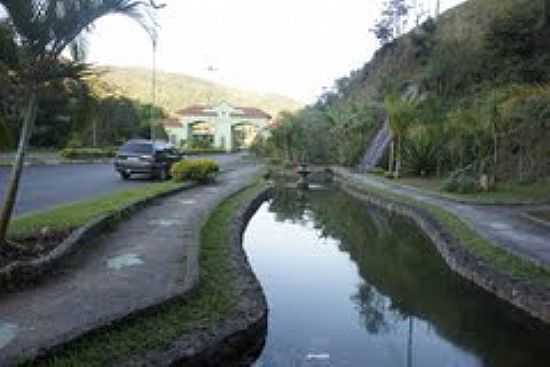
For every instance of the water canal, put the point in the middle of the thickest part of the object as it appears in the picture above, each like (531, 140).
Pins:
(349, 285)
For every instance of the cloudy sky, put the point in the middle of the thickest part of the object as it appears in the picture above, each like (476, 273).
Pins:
(290, 47)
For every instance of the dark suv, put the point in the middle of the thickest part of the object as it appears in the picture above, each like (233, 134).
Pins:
(146, 157)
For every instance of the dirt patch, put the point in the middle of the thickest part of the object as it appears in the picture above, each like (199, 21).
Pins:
(32, 247)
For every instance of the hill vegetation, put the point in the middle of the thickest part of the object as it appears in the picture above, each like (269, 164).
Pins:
(466, 95)
(108, 106)
(176, 91)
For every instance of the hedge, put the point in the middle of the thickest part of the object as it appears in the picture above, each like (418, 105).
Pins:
(200, 170)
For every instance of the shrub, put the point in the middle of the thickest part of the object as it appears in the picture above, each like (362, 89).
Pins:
(88, 153)
(462, 181)
(199, 170)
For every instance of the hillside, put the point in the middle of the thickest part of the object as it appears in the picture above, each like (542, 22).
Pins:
(465, 96)
(176, 91)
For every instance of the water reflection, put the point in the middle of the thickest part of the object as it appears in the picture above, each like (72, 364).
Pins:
(350, 283)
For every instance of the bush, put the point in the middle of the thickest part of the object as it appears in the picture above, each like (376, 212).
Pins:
(462, 182)
(88, 153)
(199, 170)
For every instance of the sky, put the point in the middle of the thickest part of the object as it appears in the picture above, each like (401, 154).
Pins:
(289, 47)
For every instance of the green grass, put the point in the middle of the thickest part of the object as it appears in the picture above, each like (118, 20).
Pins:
(67, 217)
(213, 299)
(498, 258)
(504, 193)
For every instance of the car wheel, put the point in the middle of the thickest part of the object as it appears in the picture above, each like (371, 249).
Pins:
(125, 175)
(163, 174)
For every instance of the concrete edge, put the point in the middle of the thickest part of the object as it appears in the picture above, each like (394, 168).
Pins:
(239, 335)
(531, 297)
(61, 162)
(536, 220)
(23, 272)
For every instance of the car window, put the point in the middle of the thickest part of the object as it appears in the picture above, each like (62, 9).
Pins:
(137, 148)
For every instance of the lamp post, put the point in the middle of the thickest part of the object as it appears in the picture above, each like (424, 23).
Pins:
(154, 40)
(154, 91)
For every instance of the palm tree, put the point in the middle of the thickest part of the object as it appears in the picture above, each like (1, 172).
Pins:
(401, 113)
(42, 30)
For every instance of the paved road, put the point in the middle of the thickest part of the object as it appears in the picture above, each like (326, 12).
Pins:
(43, 187)
(116, 274)
(501, 224)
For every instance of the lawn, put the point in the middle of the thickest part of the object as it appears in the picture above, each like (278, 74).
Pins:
(67, 217)
(213, 299)
(505, 193)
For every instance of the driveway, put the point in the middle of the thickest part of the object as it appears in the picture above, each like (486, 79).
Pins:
(43, 187)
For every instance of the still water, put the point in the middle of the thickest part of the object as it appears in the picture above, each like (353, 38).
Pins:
(349, 285)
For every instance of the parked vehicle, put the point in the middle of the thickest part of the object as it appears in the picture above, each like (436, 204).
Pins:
(146, 157)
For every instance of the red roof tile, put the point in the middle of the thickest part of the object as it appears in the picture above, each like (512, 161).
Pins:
(196, 110)
(171, 122)
(202, 110)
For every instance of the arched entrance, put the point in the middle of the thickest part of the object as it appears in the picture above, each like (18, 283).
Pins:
(200, 135)
(243, 135)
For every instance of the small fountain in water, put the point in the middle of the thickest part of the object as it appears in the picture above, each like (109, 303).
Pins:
(303, 171)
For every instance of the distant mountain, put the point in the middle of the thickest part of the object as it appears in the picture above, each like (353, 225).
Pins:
(176, 91)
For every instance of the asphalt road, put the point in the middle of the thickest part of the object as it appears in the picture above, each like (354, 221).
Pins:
(43, 187)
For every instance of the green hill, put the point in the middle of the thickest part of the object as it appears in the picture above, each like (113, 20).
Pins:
(466, 96)
(176, 91)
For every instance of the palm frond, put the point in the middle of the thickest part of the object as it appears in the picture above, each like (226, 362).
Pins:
(47, 27)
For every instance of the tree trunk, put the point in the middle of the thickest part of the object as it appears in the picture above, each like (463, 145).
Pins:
(391, 158)
(398, 158)
(13, 183)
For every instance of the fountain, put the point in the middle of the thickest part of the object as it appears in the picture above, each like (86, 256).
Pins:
(303, 171)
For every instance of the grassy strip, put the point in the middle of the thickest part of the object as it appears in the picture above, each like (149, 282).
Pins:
(70, 216)
(500, 259)
(504, 193)
(213, 299)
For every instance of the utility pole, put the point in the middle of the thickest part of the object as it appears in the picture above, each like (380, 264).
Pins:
(154, 91)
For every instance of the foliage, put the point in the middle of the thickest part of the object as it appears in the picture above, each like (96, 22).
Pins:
(177, 91)
(516, 45)
(462, 181)
(420, 155)
(87, 153)
(199, 170)
(68, 217)
(390, 25)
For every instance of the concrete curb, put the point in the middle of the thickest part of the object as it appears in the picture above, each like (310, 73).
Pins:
(61, 162)
(443, 196)
(23, 272)
(241, 334)
(531, 297)
(534, 219)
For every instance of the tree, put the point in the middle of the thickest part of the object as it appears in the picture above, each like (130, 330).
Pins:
(392, 22)
(42, 31)
(402, 114)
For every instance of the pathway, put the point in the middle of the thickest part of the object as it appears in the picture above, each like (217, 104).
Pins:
(503, 225)
(148, 259)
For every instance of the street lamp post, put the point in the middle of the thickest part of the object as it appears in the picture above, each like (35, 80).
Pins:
(154, 91)
(154, 40)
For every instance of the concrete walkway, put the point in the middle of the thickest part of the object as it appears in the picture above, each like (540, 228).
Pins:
(503, 225)
(148, 259)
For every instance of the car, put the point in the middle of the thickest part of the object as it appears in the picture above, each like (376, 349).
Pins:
(153, 158)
